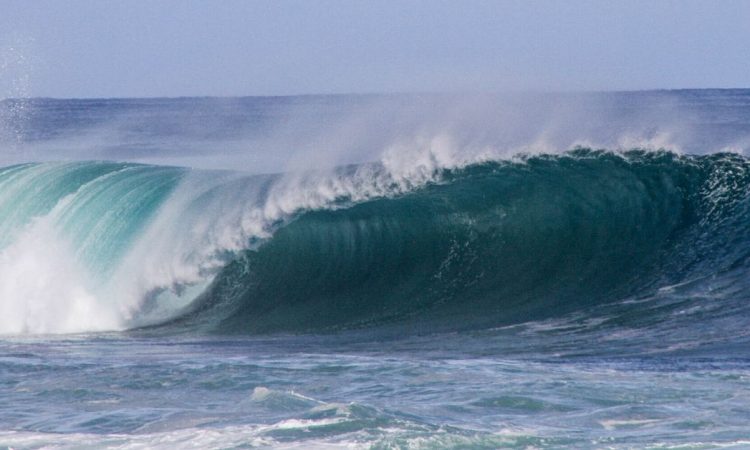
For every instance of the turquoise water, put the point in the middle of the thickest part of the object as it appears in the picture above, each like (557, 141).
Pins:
(427, 296)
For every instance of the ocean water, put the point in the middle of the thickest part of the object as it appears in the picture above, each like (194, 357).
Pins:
(404, 271)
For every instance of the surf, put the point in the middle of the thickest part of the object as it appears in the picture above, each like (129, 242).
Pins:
(469, 247)
(492, 244)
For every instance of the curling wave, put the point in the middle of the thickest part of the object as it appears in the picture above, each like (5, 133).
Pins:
(101, 246)
(492, 244)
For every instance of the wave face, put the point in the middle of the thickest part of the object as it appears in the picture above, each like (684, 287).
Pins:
(492, 244)
(102, 246)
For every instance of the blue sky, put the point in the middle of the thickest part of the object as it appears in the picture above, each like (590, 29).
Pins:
(149, 48)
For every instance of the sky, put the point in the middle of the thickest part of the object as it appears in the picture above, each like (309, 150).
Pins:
(153, 48)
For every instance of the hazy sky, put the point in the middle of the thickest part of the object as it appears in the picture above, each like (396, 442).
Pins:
(149, 48)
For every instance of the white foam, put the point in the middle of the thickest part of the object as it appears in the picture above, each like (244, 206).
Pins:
(44, 290)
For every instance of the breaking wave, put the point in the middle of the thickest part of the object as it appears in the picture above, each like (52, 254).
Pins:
(107, 246)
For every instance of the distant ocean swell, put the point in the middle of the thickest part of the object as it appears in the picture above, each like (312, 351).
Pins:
(105, 246)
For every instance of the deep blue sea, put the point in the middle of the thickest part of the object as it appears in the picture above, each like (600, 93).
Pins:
(376, 271)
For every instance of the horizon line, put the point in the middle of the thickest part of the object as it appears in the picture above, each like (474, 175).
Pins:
(385, 94)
